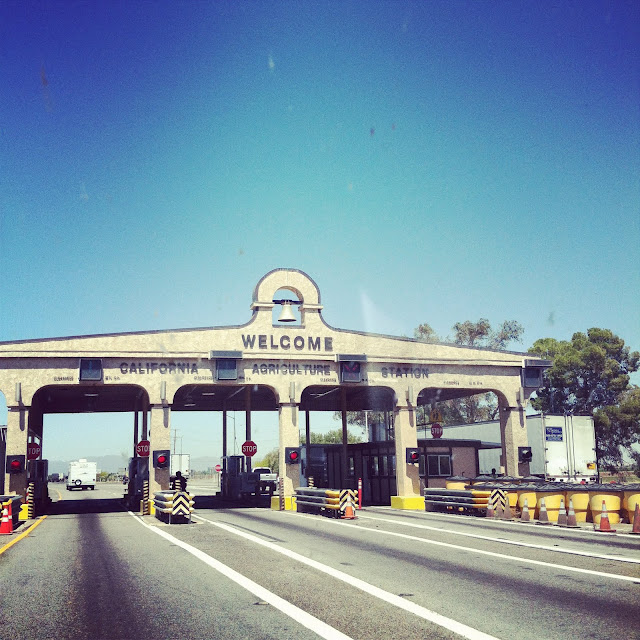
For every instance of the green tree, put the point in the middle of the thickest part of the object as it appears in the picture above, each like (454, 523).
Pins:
(271, 460)
(332, 437)
(590, 376)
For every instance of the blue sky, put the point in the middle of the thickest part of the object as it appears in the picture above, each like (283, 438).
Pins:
(422, 161)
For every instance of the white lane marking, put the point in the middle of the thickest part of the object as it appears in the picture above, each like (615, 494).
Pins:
(440, 620)
(587, 554)
(304, 618)
(613, 576)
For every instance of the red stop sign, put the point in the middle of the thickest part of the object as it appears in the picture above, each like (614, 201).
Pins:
(33, 451)
(436, 430)
(249, 448)
(218, 468)
(143, 448)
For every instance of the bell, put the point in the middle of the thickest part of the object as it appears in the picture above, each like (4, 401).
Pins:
(286, 315)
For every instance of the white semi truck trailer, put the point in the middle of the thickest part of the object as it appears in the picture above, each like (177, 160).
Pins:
(563, 447)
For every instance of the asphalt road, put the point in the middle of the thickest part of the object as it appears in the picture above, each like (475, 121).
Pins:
(93, 570)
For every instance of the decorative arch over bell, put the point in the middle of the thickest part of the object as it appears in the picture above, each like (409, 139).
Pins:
(294, 280)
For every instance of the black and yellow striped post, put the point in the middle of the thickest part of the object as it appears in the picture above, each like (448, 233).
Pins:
(31, 501)
(144, 503)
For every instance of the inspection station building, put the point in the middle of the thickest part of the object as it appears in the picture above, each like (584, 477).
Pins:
(295, 365)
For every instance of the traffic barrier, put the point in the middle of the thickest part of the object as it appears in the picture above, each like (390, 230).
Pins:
(456, 500)
(328, 502)
(525, 515)
(13, 504)
(347, 511)
(572, 520)
(605, 526)
(562, 514)
(6, 525)
(173, 506)
(636, 520)
(543, 518)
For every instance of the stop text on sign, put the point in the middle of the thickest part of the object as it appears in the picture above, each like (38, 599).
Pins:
(143, 448)
(33, 451)
(249, 448)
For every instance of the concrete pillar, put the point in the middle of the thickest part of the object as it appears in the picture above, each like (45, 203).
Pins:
(407, 475)
(289, 437)
(513, 430)
(17, 433)
(159, 438)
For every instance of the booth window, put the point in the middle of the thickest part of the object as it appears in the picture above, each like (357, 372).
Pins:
(226, 364)
(439, 465)
(226, 370)
(90, 370)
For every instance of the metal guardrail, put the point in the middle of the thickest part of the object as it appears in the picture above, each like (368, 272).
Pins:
(336, 503)
(456, 500)
(173, 506)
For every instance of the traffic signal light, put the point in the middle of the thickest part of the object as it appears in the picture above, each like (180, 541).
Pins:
(161, 459)
(292, 455)
(413, 455)
(525, 454)
(15, 464)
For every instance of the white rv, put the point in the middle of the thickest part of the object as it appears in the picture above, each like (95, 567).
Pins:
(81, 475)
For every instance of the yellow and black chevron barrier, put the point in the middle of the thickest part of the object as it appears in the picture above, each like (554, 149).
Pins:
(173, 506)
(456, 500)
(329, 502)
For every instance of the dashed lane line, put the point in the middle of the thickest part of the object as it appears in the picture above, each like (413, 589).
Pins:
(390, 598)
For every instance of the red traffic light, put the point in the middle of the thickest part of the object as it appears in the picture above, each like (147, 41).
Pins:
(413, 455)
(15, 464)
(161, 458)
(292, 455)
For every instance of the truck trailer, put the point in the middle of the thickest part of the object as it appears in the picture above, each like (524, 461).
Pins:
(563, 447)
(81, 475)
(180, 462)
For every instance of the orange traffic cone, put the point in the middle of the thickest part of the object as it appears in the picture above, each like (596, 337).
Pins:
(490, 513)
(526, 516)
(636, 519)
(6, 525)
(562, 514)
(348, 509)
(506, 515)
(572, 521)
(543, 516)
(605, 526)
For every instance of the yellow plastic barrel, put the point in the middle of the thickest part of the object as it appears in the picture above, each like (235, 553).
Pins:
(630, 500)
(579, 495)
(512, 496)
(457, 482)
(612, 500)
(552, 497)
